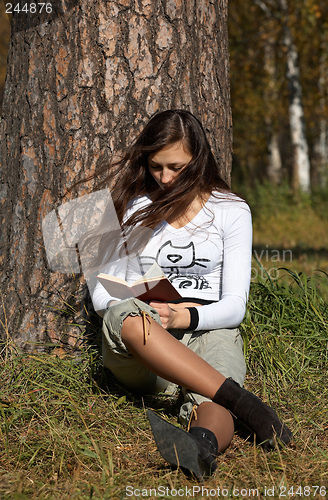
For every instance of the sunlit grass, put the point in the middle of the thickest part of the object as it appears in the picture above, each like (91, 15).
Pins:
(288, 314)
(69, 431)
(285, 220)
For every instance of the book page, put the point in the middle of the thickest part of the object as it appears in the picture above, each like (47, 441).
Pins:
(153, 273)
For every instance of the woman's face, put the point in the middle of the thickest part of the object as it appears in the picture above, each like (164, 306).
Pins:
(166, 164)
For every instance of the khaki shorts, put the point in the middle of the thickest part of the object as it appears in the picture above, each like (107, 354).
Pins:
(222, 349)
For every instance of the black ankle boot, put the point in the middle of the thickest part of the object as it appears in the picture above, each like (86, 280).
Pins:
(193, 451)
(252, 412)
(207, 444)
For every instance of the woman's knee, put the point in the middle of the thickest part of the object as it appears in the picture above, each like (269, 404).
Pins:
(130, 328)
(136, 330)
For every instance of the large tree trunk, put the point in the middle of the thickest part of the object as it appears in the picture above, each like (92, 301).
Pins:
(80, 84)
(4, 40)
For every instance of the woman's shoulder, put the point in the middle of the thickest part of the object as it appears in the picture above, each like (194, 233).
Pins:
(137, 204)
(227, 200)
(139, 201)
(229, 212)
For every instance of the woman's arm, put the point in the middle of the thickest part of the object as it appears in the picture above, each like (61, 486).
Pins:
(228, 312)
(100, 297)
(237, 257)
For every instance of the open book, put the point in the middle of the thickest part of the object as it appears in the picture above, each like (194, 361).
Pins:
(153, 285)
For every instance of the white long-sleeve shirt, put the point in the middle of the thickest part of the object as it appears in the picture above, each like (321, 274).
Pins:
(209, 258)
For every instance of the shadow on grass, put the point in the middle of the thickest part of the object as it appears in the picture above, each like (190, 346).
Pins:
(161, 402)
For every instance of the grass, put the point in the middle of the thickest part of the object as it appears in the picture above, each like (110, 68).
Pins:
(285, 328)
(289, 229)
(69, 431)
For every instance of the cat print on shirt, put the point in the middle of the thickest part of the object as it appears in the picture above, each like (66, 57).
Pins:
(175, 261)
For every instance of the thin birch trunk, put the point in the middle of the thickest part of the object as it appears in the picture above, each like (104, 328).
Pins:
(301, 160)
(320, 162)
(271, 98)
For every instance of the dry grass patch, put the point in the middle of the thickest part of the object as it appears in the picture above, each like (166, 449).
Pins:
(68, 431)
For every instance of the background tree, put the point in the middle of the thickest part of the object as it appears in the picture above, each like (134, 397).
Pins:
(80, 83)
(315, 86)
(247, 90)
(271, 97)
(264, 92)
(299, 143)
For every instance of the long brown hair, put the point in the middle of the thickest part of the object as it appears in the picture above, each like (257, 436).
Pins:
(130, 176)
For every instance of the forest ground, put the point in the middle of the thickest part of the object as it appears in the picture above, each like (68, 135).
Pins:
(69, 431)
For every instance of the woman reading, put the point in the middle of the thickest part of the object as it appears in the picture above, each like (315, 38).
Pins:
(168, 182)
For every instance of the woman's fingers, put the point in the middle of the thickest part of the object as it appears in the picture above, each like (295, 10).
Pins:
(165, 313)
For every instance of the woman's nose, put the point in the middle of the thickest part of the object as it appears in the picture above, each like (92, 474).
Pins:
(166, 177)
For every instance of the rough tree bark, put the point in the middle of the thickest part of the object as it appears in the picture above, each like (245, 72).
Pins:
(80, 83)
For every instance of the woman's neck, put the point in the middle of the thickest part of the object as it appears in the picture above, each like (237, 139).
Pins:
(194, 208)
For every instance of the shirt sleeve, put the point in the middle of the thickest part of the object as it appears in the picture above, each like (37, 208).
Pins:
(100, 297)
(118, 263)
(230, 310)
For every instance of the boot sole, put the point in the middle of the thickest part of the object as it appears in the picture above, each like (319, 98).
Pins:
(177, 447)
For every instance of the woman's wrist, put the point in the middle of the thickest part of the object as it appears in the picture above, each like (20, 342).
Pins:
(111, 302)
(194, 318)
(181, 319)
(186, 319)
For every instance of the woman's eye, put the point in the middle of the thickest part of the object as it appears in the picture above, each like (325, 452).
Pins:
(158, 168)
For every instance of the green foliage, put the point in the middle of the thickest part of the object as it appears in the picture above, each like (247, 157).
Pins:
(319, 202)
(265, 198)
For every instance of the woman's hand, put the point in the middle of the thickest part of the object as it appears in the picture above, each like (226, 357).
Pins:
(172, 316)
(183, 305)
(166, 313)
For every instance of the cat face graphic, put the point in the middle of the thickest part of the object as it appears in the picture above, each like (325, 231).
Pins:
(178, 257)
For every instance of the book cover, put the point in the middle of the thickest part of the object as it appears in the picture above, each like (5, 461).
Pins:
(153, 285)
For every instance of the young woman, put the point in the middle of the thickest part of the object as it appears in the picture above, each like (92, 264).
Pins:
(199, 232)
